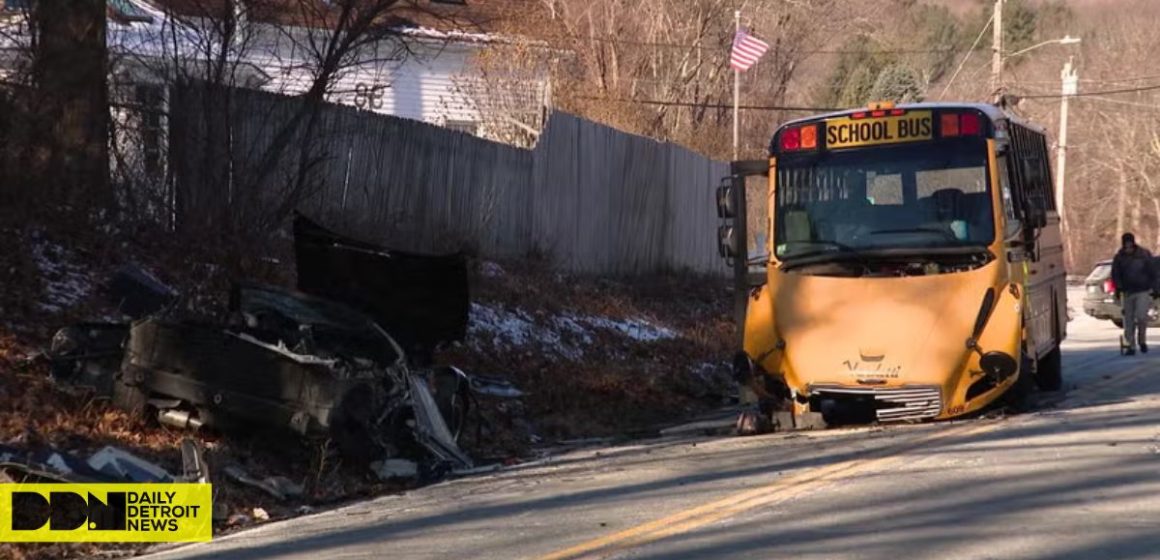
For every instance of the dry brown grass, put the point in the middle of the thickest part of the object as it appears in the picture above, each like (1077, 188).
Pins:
(622, 386)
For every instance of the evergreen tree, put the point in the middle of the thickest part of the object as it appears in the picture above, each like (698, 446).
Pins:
(898, 83)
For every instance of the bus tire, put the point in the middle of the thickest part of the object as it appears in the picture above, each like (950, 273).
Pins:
(1018, 397)
(1050, 374)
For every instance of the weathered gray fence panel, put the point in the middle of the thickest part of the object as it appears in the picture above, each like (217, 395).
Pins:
(595, 199)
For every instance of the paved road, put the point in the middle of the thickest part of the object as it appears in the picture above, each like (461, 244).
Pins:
(1078, 479)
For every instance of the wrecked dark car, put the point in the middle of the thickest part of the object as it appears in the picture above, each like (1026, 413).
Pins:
(315, 367)
(341, 360)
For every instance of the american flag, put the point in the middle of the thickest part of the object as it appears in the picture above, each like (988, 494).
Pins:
(747, 49)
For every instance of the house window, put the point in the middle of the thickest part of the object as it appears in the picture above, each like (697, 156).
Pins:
(470, 127)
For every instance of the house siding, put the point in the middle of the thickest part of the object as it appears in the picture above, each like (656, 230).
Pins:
(432, 82)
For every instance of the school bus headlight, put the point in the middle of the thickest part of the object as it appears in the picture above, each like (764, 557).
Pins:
(998, 364)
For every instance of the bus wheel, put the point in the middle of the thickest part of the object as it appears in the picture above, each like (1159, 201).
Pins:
(1018, 397)
(1050, 374)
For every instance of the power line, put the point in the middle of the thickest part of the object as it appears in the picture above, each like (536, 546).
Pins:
(725, 48)
(968, 57)
(1144, 106)
(710, 105)
(1109, 81)
(1094, 93)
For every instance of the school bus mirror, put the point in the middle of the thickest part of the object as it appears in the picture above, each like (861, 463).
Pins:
(1012, 229)
(1036, 217)
(726, 202)
(727, 242)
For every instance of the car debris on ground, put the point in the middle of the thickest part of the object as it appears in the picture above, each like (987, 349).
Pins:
(344, 359)
(108, 465)
(126, 467)
(279, 487)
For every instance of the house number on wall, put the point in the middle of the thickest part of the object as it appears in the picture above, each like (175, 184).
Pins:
(368, 96)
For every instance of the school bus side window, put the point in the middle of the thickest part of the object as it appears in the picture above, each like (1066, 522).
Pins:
(1027, 169)
(1005, 190)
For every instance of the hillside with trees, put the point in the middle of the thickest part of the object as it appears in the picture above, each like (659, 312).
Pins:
(660, 68)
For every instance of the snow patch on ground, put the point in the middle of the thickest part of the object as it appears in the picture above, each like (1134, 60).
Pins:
(516, 330)
(66, 282)
(636, 329)
(565, 335)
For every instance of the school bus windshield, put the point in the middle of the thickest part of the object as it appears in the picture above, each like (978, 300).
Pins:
(920, 195)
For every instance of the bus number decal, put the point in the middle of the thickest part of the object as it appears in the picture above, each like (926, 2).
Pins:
(847, 132)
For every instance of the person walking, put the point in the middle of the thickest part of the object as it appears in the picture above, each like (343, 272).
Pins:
(1134, 276)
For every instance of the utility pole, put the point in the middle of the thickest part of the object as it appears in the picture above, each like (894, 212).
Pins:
(1070, 87)
(997, 47)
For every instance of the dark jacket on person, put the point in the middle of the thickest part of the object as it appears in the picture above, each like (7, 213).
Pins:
(1135, 272)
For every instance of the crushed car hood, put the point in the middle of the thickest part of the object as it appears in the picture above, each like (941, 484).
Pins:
(421, 300)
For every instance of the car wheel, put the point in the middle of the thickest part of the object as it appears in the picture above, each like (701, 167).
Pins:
(1049, 377)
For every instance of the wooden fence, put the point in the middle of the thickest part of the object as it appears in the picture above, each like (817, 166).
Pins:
(595, 199)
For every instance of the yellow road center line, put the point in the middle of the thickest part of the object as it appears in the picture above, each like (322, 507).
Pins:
(788, 487)
(780, 490)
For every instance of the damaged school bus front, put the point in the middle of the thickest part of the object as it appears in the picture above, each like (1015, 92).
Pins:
(901, 271)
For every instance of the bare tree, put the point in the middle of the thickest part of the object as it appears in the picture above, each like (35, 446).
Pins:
(661, 67)
(59, 127)
(299, 47)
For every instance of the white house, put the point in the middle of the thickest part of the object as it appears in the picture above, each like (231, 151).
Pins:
(426, 69)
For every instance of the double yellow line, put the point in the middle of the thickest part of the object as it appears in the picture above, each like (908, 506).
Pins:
(788, 487)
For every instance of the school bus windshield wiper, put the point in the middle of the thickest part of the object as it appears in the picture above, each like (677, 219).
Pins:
(865, 255)
(834, 250)
(945, 233)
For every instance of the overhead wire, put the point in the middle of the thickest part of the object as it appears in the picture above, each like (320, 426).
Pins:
(1093, 93)
(711, 105)
(725, 48)
(968, 56)
(1098, 80)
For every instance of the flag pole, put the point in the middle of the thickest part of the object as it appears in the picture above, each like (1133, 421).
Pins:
(736, 86)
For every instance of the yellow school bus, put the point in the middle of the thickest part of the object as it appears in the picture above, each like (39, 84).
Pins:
(913, 264)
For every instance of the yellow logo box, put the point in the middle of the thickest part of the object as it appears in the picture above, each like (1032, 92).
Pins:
(849, 132)
(106, 512)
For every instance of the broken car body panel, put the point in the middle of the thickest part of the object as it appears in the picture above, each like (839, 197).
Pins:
(422, 300)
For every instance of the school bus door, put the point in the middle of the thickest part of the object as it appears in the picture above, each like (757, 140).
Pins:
(733, 234)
